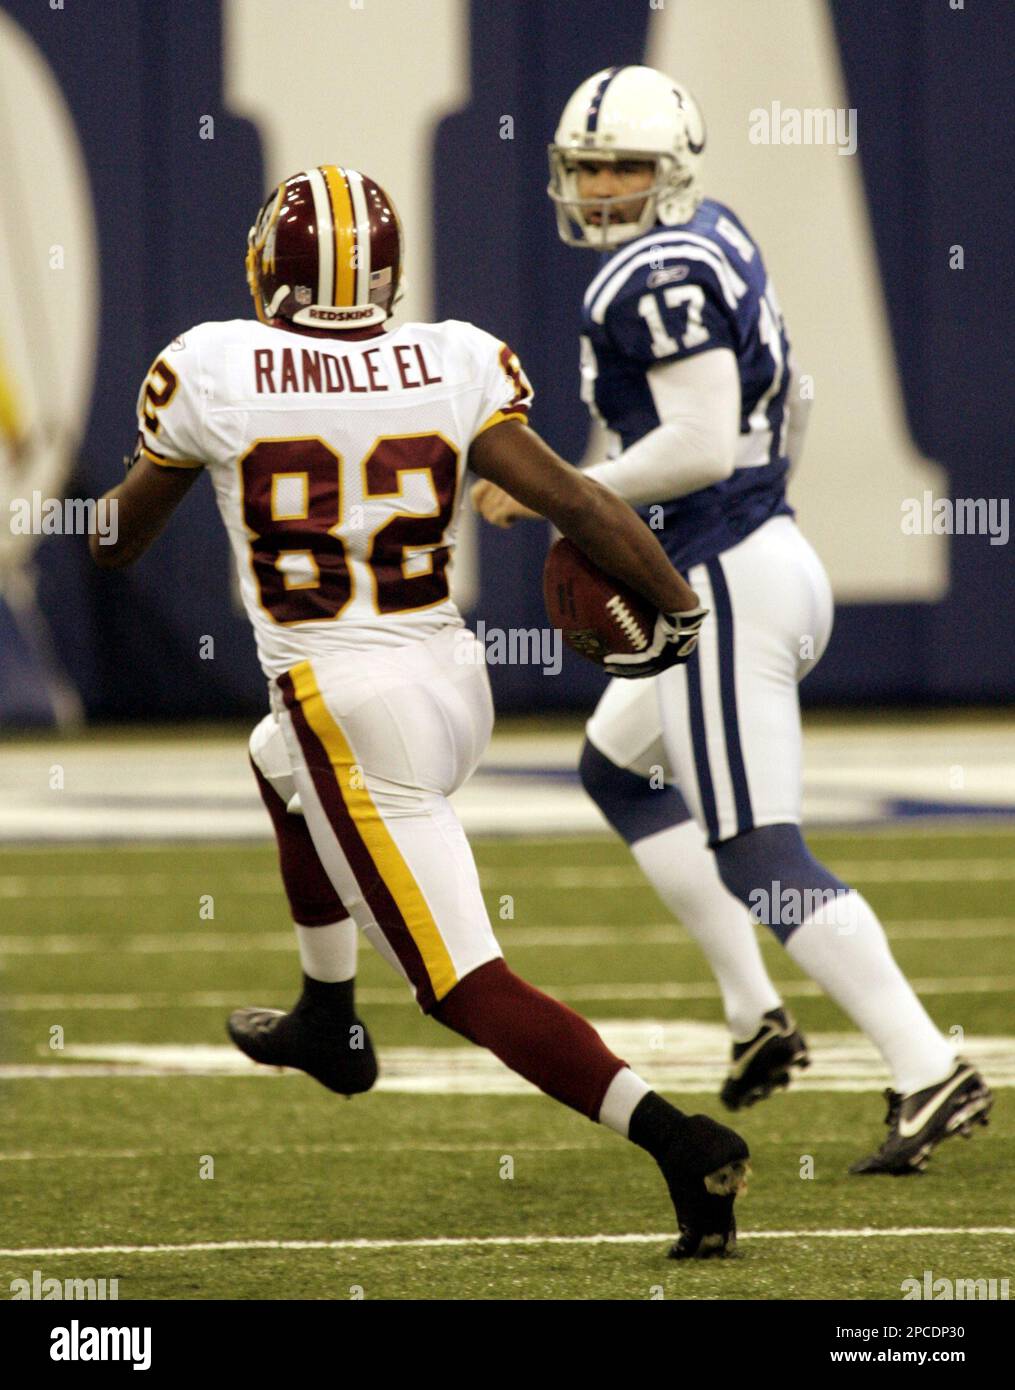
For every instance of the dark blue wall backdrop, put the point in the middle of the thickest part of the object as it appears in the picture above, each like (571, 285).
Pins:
(172, 216)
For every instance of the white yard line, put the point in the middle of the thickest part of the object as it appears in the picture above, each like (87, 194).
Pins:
(967, 928)
(89, 884)
(929, 870)
(283, 1151)
(380, 995)
(460, 1242)
(515, 937)
(679, 1055)
(789, 989)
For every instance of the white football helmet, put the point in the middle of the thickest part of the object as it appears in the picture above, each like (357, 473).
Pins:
(622, 114)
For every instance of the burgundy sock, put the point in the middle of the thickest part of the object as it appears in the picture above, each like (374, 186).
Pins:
(536, 1036)
(312, 897)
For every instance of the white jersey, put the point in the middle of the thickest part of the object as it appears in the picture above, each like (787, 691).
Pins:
(337, 465)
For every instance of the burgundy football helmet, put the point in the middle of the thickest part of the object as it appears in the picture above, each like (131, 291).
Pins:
(326, 251)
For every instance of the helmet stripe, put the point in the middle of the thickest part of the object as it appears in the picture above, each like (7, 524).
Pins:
(592, 115)
(362, 218)
(345, 234)
(325, 287)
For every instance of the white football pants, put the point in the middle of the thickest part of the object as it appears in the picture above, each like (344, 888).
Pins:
(725, 727)
(377, 741)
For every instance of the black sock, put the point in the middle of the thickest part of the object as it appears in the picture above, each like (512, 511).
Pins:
(335, 996)
(655, 1124)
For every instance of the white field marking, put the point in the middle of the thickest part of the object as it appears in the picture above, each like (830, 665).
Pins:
(460, 1242)
(383, 996)
(789, 989)
(945, 827)
(87, 943)
(672, 934)
(967, 928)
(129, 1003)
(91, 885)
(678, 1056)
(940, 827)
(102, 1071)
(928, 870)
(515, 937)
(284, 1151)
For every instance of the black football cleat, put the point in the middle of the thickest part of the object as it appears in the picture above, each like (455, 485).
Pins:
(334, 1050)
(918, 1122)
(706, 1168)
(763, 1064)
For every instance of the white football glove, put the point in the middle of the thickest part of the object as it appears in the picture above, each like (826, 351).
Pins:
(674, 639)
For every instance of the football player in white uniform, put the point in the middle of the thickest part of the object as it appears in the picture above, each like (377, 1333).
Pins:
(337, 448)
(687, 361)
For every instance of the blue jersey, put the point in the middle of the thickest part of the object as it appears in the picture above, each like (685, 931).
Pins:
(672, 293)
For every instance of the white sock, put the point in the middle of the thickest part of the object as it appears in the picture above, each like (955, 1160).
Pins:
(328, 953)
(623, 1095)
(682, 870)
(844, 948)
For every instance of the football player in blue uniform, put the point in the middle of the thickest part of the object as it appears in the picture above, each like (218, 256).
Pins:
(687, 362)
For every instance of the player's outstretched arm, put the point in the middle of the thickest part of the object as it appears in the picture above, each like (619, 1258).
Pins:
(145, 501)
(612, 535)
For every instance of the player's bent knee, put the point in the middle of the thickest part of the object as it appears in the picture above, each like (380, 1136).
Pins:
(270, 757)
(773, 873)
(313, 901)
(635, 806)
(458, 1009)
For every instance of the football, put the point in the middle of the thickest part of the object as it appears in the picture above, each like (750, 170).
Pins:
(597, 615)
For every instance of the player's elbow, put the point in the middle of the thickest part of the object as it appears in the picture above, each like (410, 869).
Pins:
(581, 508)
(589, 505)
(717, 454)
(103, 555)
(695, 458)
(109, 552)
